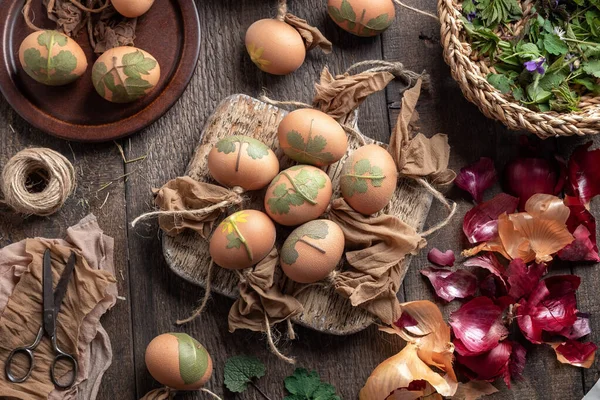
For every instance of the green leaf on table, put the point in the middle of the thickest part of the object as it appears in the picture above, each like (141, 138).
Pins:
(592, 67)
(317, 229)
(242, 370)
(303, 385)
(553, 44)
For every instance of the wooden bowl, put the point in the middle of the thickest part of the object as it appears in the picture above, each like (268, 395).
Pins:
(170, 31)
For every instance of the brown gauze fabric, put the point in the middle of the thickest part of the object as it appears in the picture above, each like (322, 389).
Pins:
(260, 295)
(68, 17)
(419, 156)
(112, 30)
(187, 194)
(311, 35)
(384, 242)
(340, 95)
(91, 292)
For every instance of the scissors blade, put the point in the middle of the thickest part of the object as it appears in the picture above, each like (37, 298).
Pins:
(48, 296)
(63, 283)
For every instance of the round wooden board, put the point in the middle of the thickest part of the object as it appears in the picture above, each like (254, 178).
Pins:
(170, 31)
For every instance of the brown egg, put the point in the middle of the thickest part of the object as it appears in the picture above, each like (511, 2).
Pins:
(132, 8)
(125, 74)
(298, 195)
(312, 251)
(369, 179)
(312, 137)
(362, 17)
(242, 161)
(66, 62)
(242, 240)
(275, 47)
(178, 361)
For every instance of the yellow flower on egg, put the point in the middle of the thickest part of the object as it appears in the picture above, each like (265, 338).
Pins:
(256, 56)
(230, 222)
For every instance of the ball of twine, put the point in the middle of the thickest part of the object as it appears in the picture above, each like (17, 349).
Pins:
(37, 181)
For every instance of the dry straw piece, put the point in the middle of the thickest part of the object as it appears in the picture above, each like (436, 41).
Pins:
(55, 173)
(471, 71)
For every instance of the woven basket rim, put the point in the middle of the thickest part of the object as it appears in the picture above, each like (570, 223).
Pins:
(474, 85)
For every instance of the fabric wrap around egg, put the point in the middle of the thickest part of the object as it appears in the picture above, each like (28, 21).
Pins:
(178, 361)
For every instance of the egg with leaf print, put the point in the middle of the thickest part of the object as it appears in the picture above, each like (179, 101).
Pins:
(52, 58)
(362, 17)
(298, 195)
(125, 74)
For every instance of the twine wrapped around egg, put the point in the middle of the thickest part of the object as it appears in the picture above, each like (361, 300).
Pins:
(54, 172)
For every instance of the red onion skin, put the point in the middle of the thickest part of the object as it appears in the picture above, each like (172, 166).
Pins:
(525, 177)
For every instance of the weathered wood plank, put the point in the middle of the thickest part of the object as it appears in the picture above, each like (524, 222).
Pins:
(95, 166)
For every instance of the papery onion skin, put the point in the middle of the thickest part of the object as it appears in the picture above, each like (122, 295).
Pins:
(490, 262)
(523, 278)
(450, 285)
(550, 307)
(579, 329)
(490, 365)
(524, 177)
(481, 222)
(516, 364)
(477, 178)
(576, 353)
(584, 173)
(446, 259)
(478, 325)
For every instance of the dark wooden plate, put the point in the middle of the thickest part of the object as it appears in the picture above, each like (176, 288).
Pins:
(170, 31)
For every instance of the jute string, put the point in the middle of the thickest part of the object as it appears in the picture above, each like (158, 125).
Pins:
(450, 206)
(204, 302)
(29, 17)
(281, 9)
(238, 199)
(55, 170)
(401, 4)
(272, 345)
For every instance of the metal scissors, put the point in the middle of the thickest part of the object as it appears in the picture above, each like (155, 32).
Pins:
(52, 301)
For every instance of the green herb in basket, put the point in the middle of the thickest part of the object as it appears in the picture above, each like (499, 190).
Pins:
(547, 59)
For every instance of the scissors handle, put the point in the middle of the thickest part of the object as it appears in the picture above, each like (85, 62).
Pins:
(28, 351)
(61, 355)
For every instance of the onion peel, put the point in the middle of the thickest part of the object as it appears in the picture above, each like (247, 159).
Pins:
(477, 178)
(575, 353)
(438, 258)
(480, 224)
(474, 390)
(450, 285)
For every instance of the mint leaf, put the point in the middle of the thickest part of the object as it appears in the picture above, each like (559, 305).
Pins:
(303, 385)
(500, 82)
(592, 68)
(242, 370)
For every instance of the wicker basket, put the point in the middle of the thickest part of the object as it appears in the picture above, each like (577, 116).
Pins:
(470, 72)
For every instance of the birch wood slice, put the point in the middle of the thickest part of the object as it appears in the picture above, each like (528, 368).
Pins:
(188, 256)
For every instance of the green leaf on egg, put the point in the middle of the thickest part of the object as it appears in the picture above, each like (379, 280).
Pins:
(356, 180)
(344, 14)
(242, 370)
(255, 148)
(304, 385)
(124, 80)
(309, 151)
(193, 358)
(304, 188)
(233, 241)
(315, 230)
(378, 24)
(57, 70)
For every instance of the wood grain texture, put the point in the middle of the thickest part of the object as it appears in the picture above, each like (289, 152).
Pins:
(188, 255)
(158, 297)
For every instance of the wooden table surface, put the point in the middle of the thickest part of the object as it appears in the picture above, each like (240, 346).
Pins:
(155, 297)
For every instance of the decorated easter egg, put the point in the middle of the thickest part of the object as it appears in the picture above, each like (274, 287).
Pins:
(178, 361)
(52, 58)
(125, 74)
(362, 17)
(312, 251)
(242, 161)
(132, 8)
(242, 240)
(298, 195)
(275, 47)
(312, 137)
(369, 179)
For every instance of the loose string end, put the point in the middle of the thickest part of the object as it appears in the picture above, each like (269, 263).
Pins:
(401, 4)
(451, 206)
(213, 395)
(207, 293)
(272, 346)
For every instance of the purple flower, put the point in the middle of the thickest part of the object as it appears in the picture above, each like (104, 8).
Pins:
(536, 65)
(471, 16)
(568, 57)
